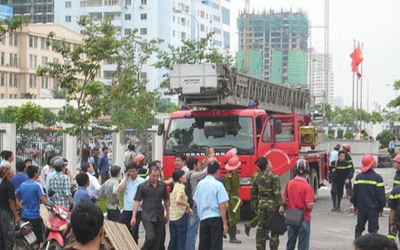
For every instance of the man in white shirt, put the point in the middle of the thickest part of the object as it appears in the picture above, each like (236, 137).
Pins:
(45, 171)
(180, 163)
(94, 188)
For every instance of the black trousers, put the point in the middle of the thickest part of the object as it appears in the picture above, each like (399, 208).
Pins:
(211, 231)
(113, 215)
(370, 215)
(337, 191)
(153, 234)
(126, 217)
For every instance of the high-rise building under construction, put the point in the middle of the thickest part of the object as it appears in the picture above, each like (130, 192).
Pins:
(277, 46)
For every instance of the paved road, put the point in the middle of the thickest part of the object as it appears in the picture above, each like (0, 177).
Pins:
(328, 230)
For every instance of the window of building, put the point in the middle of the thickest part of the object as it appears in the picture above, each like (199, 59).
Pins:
(217, 18)
(173, 33)
(92, 3)
(143, 75)
(10, 96)
(128, 2)
(143, 16)
(127, 16)
(32, 81)
(68, 19)
(35, 61)
(44, 61)
(144, 2)
(2, 96)
(183, 35)
(68, 4)
(127, 32)
(15, 96)
(13, 62)
(12, 39)
(83, 4)
(56, 61)
(42, 43)
(45, 82)
(143, 31)
(3, 58)
(111, 2)
(2, 79)
(226, 16)
(13, 80)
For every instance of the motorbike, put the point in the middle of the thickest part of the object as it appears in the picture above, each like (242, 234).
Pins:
(58, 229)
(25, 238)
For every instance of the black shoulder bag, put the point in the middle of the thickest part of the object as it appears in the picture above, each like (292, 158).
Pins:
(294, 217)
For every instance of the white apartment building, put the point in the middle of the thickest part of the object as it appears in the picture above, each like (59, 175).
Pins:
(22, 53)
(170, 20)
(319, 91)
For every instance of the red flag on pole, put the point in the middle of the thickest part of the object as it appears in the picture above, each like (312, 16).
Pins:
(356, 59)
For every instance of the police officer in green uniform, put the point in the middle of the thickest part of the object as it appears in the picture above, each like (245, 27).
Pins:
(232, 184)
(266, 199)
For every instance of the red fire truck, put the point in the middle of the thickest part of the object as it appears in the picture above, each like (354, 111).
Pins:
(224, 109)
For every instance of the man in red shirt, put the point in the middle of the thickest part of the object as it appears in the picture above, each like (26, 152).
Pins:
(299, 195)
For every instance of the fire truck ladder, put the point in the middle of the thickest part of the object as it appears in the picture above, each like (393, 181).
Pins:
(215, 86)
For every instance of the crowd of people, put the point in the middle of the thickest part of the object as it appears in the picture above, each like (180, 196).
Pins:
(198, 201)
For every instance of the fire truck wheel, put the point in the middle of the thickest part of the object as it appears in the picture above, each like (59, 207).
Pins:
(314, 182)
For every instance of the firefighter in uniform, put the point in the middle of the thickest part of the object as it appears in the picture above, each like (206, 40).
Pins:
(394, 216)
(347, 149)
(368, 196)
(232, 184)
(266, 199)
(396, 182)
(341, 173)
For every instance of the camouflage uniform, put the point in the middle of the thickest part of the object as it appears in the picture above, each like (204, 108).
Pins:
(232, 183)
(254, 221)
(266, 198)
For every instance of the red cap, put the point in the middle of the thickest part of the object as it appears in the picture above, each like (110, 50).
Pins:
(347, 147)
(397, 158)
(233, 164)
(230, 153)
(139, 158)
(367, 162)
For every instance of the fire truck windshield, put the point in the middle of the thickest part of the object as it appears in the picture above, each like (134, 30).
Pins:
(194, 135)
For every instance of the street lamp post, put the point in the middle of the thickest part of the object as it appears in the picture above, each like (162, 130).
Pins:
(192, 16)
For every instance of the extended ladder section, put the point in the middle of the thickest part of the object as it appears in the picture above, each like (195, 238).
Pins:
(216, 86)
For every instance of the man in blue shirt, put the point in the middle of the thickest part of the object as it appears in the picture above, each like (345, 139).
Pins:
(104, 165)
(81, 194)
(335, 153)
(129, 186)
(392, 145)
(31, 193)
(20, 176)
(212, 203)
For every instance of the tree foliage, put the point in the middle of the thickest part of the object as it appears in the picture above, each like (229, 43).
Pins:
(13, 24)
(78, 76)
(28, 113)
(385, 137)
(8, 114)
(132, 104)
(49, 118)
(191, 52)
(395, 102)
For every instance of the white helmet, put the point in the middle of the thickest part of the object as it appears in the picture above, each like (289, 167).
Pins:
(302, 166)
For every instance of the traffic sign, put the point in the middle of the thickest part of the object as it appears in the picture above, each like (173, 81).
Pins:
(6, 12)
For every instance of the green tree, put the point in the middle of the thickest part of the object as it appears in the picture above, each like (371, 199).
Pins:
(191, 52)
(347, 116)
(385, 137)
(28, 113)
(348, 134)
(395, 102)
(49, 118)
(11, 24)
(81, 69)
(8, 114)
(376, 117)
(165, 106)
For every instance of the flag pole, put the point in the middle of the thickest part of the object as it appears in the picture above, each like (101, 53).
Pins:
(361, 87)
(357, 111)
(352, 95)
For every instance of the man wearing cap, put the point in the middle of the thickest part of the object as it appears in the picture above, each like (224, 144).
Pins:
(393, 198)
(139, 161)
(266, 199)
(8, 209)
(232, 184)
(340, 174)
(347, 150)
(368, 196)
(60, 186)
